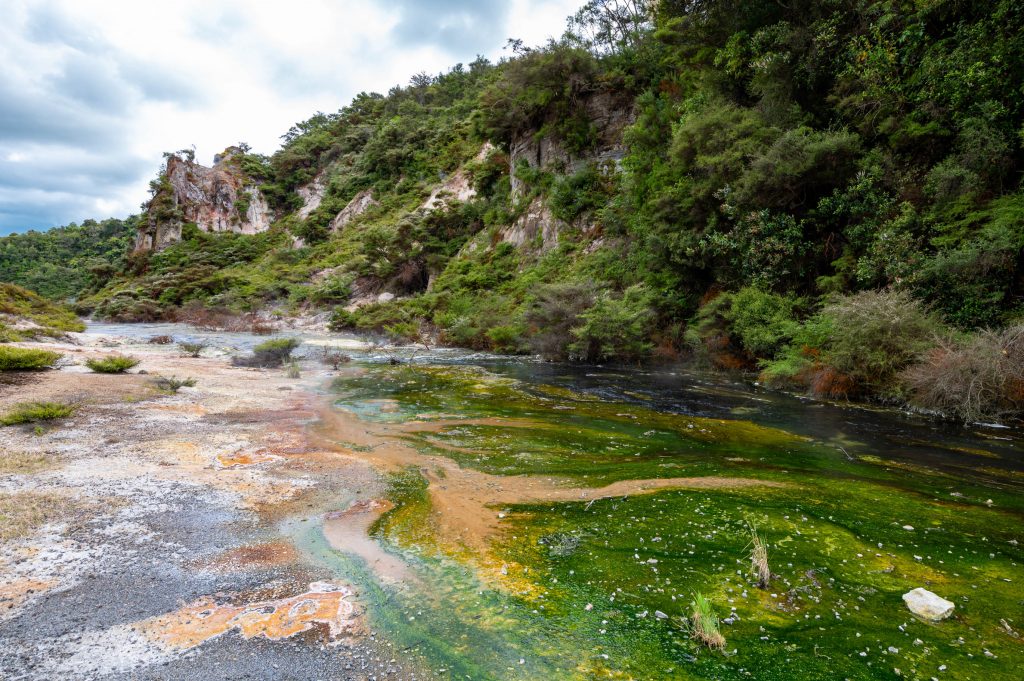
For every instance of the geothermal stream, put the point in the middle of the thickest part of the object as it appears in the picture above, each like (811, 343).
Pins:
(458, 515)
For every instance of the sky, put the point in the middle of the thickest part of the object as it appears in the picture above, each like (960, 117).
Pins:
(92, 92)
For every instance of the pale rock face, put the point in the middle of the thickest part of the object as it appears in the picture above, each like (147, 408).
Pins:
(610, 120)
(359, 204)
(209, 197)
(312, 195)
(927, 605)
(536, 221)
(457, 187)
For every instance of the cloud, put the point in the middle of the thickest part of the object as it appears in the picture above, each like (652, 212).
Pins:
(458, 25)
(94, 91)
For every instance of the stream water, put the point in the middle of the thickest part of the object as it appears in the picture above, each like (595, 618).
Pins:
(557, 522)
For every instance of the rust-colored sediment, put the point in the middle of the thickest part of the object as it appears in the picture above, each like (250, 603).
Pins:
(255, 556)
(236, 459)
(13, 594)
(348, 531)
(324, 605)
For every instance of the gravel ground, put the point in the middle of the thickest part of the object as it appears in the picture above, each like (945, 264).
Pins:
(158, 555)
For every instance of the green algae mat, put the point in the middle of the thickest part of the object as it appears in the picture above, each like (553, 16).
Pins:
(601, 586)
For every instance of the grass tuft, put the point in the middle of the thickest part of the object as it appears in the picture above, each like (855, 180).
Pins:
(759, 559)
(115, 364)
(26, 359)
(704, 623)
(32, 412)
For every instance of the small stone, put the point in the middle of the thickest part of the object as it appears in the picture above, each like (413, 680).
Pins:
(908, 528)
(927, 605)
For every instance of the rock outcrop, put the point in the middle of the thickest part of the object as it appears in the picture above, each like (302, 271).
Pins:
(359, 204)
(217, 199)
(610, 117)
(312, 195)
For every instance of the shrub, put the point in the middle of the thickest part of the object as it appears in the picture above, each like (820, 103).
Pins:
(980, 378)
(161, 340)
(31, 412)
(877, 334)
(857, 345)
(192, 349)
(115, 364)
(615, 327)
(26, 359)
(173, 384)
(271, 353)
(555, 311)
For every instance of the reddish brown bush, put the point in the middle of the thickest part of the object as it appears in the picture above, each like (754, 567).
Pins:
(980, 378)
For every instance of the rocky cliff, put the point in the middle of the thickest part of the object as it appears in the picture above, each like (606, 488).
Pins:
(217, 199)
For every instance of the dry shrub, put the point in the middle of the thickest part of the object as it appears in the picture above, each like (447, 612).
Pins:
(826, 381)
(221, 319)
(759, 559)
(980, 378)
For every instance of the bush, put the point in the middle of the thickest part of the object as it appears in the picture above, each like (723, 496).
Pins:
(160, 340)
(269, 354)
(115, 364)
(192, 349)
(857, 345)
(26, 359)
(981, 378)
(615, 328)
(173, 384)
(554, 312)
(30, 412)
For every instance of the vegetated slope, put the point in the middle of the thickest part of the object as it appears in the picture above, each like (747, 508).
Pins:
(65, 262)
(25, 315)
(735, 177)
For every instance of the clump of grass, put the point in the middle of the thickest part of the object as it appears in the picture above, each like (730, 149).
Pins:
(22, 463)
(293, 370)
(173, 384)
(115, 364)
(271, 353)
(26, 359)
(704, 623)
(192, 349)
(759, 559)
(33, 412)
(161, 340)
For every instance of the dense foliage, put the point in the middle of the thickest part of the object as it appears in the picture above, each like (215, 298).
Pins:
(780, 173)
(66, 262)
(25, 315)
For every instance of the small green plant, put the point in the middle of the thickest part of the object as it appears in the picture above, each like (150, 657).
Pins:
(32, 412)
(192, 349)
(704, 623)
(293, 370)
(115, 364)
(271, 353)
(26, 359)
(759, 559)
(173, 384)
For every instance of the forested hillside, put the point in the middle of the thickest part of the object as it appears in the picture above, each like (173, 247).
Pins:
(827, 191)
(65, 262)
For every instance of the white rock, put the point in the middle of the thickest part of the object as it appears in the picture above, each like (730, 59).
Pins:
(927, 605)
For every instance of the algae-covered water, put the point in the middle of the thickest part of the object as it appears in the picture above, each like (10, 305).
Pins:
(856, 506)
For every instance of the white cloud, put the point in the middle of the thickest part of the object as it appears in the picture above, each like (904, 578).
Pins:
(94, 91)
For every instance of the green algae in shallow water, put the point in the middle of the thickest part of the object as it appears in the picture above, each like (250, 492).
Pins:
(841, 556)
